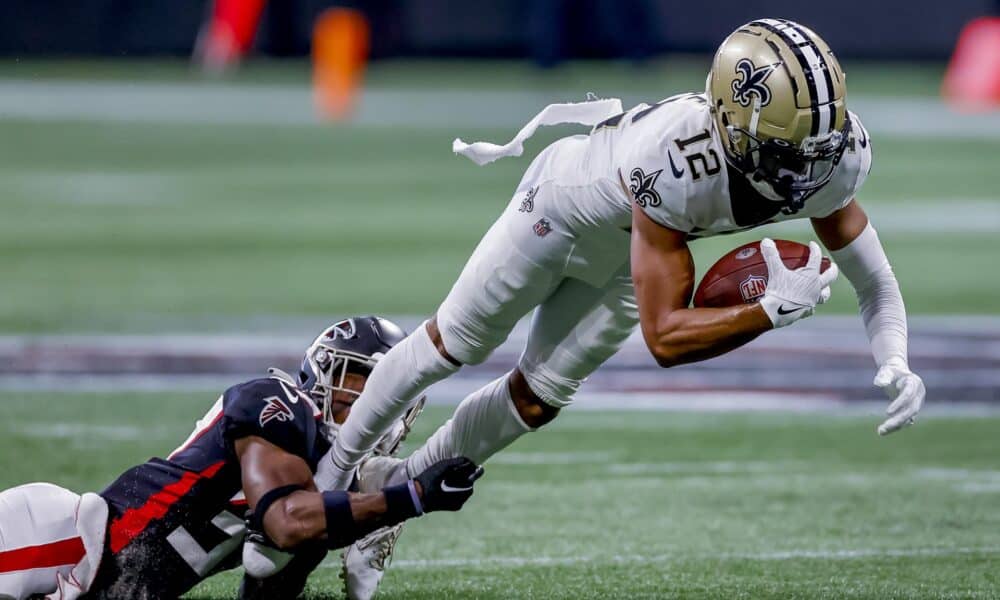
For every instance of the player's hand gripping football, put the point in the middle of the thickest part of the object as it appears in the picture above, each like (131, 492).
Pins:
(905, 389)
(793, 294)
(446, 485)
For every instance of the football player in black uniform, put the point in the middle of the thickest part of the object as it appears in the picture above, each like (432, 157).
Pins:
(173, 522)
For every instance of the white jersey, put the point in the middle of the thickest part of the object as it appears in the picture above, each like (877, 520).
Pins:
(670, 157)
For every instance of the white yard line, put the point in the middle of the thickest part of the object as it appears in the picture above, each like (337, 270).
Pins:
(954, 474)
(639, 559)
(943, 215)
(705, 467)
(83, 431)
(173, 102)
(552, 458)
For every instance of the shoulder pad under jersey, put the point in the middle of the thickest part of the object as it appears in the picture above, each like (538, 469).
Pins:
(668, 157)
(850, 174)
(271, 409)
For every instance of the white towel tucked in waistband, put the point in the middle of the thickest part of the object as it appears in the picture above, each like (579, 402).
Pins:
(584, 113)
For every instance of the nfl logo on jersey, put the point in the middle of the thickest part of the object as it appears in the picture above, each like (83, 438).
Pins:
(753, 288)
(542, 228)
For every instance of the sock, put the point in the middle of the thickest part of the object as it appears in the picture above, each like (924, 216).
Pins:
(400, 376)
(483, 424)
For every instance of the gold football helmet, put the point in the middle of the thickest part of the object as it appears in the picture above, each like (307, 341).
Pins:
(778, 98)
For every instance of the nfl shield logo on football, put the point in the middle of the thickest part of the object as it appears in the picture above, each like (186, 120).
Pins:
(753, 288)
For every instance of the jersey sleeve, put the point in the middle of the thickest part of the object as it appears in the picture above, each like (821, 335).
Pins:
(654, 176)
(268, 409)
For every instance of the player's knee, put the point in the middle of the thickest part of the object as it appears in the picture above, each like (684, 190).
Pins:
(463, 340)
(533, 410)
(435, 334)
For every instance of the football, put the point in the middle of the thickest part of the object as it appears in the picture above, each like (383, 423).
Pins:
(740, 277)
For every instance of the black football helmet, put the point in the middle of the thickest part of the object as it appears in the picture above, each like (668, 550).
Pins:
(353, 345)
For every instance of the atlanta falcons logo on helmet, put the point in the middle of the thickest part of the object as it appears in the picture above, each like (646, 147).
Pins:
(343, 329)
(275, 410)
(750, 80)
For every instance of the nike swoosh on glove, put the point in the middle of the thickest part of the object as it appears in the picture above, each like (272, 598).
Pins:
(793, 294)
(906, 391)
(447, 484)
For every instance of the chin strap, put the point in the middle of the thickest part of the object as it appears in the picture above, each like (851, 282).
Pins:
(755, 115)
(280, 375)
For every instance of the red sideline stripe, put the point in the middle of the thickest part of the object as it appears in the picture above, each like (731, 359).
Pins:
(125, 528)
(56, 554)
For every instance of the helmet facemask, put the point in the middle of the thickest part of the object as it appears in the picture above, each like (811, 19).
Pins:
(782, 171)
(332, 367)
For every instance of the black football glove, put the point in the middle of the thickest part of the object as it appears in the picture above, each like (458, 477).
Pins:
(446, 485)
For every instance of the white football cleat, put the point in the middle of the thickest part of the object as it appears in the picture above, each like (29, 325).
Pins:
(364, 562)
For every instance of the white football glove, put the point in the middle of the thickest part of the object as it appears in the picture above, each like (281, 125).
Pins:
(792, 295)
(905, 389)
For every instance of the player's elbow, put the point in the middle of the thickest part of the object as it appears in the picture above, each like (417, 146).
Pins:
(284, 523)
(662, 343)
(665, 352)
(666, 356)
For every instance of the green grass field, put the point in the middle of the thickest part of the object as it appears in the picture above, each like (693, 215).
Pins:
(630, 505)
(170, 225)
(137, 226)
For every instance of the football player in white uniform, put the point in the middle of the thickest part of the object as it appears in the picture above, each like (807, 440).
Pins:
(595, 240)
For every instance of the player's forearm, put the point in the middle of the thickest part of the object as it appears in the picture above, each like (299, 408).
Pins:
(340, 519)
(884, 315)
(695, 334)
(880, 302)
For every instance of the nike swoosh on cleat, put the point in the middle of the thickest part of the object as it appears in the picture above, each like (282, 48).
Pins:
(673, 168)
(447, 488)
(782, 311)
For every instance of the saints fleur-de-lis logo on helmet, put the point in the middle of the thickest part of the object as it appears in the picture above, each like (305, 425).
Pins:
(749, 81)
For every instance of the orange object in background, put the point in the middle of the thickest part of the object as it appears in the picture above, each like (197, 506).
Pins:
(340, 53)
(229, 33)
(972, 81)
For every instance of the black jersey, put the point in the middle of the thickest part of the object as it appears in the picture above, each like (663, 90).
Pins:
(173, 522)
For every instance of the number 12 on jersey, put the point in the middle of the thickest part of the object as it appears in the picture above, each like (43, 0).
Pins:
(708, 167)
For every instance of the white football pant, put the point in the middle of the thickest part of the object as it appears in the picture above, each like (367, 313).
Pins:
(542, 254)
(51, 541)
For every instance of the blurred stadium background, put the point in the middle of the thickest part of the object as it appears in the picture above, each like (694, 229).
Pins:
(190, 191)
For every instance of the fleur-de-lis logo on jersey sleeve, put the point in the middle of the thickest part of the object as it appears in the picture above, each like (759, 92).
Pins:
(641, 186)
(749, 81)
